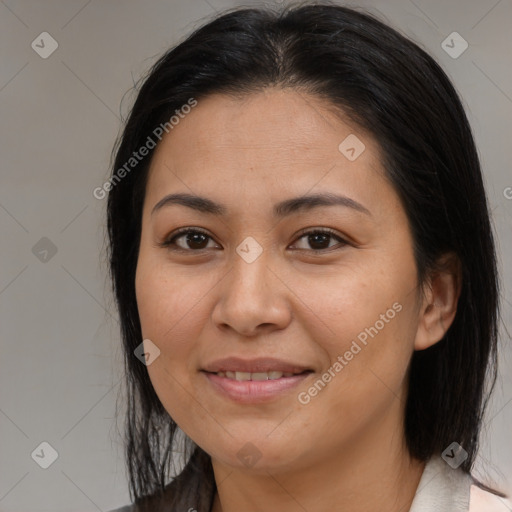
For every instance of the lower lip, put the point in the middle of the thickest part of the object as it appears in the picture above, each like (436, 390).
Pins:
(254, 391)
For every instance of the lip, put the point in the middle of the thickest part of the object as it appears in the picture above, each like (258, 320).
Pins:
(254, 391)
(261, 364)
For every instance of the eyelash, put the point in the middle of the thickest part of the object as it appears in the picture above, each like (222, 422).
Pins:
(169, 243)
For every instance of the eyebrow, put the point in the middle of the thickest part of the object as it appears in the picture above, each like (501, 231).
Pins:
(282, 209)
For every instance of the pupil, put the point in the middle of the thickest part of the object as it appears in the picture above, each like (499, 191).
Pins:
(317, 238)
(194, 239)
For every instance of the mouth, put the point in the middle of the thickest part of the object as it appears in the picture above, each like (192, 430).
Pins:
(258, 376)
(254, 381)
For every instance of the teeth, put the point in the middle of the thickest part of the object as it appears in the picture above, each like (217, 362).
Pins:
(260, 376)
(242, 376)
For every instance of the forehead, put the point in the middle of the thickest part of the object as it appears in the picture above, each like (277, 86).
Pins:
(273, 138)
(230, 119)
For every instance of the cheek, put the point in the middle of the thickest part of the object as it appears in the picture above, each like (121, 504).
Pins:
(170, 312)
(356, 305)
(368, 323)
(168, 303)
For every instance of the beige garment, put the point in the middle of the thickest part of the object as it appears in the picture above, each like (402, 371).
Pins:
(444, 489)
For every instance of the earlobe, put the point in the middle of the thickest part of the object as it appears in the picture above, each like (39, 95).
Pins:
(441, 295)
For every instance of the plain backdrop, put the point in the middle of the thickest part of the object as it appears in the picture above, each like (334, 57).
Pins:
(61, 361)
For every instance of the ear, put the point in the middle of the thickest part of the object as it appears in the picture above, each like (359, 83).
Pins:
(439, 302)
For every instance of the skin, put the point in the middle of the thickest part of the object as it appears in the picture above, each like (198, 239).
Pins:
(290, 303)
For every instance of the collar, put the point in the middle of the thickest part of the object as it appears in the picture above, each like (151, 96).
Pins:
(442, 488)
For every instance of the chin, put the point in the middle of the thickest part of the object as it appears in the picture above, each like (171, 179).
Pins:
(257, 457)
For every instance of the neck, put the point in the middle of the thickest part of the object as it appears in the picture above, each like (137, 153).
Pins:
(373, 473)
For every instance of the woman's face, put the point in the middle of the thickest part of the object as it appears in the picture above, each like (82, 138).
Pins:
(331, 320)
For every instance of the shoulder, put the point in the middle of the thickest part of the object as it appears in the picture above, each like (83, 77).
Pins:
(485, 501)
(126, 508)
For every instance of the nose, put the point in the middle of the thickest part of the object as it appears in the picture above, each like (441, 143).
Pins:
(252, 300)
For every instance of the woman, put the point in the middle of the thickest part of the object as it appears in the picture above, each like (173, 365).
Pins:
(303, 262)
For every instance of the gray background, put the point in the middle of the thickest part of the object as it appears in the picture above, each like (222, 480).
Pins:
(61, 360)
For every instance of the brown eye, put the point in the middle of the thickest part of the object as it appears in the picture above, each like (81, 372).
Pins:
(319, 240)
(191, 240)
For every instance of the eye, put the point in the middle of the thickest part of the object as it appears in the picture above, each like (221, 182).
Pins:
(319, 239)
(194, 239)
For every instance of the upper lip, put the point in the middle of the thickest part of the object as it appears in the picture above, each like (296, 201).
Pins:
(262, 364)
